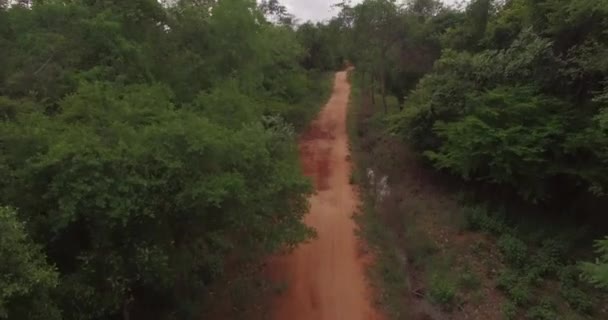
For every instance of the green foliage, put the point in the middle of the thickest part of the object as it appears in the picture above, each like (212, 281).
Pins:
(495, 146)
(442, 290)
(517, 103)
(324, 44)
(509, 310)
(549, 259)
(516, 286)
(392, 44)
(596, 272)
(513, 249)
(477, 218)
(577, 299)
(546, 310)
(511, 97)
(27, 279)
(150, 149)
(120, 178)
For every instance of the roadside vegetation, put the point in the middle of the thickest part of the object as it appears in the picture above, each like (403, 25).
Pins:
(147, 154)
(487, 121)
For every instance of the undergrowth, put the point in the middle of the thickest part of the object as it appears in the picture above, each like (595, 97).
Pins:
(461, 258)
(539, 272)
(387, 272)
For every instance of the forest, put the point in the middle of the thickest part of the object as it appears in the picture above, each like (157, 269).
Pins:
(506, 102)
(146, 152)
(148, 149)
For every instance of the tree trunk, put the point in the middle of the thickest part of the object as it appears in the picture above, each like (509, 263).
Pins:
(372, 90)
(362, 81)
(125, 309)
(383, 92)
(401, 101)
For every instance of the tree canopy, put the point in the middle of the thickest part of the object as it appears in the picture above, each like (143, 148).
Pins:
(147, 147)
(148, 150)
(509, 95)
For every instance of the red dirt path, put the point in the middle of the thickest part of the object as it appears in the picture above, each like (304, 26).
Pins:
(326, 277)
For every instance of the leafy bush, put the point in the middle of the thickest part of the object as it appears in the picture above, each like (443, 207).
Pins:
(478, 218)
(548, 259)
(509, 310)
(544, 311)
(596, 272)
(146, 147)
(442, 291)
(520, 294)
(27, 279)
(494, 143)
(513, 249)
(516, 286)
(115, 180)
(577, 299)
(510, 116)
(507, 279)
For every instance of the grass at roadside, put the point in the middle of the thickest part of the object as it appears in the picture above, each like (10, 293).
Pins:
(386, 271)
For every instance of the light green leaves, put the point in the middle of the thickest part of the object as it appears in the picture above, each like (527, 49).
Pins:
(597, 272)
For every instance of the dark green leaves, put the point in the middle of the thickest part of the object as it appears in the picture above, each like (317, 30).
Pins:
(146, 149)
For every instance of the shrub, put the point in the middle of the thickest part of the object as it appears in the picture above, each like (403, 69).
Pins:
(506, 140)
(520, 294)
(548, 259)
(123, 186)
(514, 250)
(25, 276)
(442, 291)
(505, 117)
(516, 286)
(507, 280)
(478, 218)
(544, 311)
(509, 310)
(596, 272)
(577, 299)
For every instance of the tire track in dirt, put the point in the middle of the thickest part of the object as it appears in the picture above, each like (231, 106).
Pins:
(326, 277)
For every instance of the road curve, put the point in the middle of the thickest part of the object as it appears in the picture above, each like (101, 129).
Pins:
(326, 278)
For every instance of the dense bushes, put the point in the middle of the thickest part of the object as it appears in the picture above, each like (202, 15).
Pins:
(26, 277)
(597, 272)
(538, 271)
(511, 96)
(510, 116)
(518, 101)
(149, 153)
(123, 186)
(521, 105)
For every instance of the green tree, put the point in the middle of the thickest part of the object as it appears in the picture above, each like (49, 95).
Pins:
(150, 149)
(597, 272)
(27, 279)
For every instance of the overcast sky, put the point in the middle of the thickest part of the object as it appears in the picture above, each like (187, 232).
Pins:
(317, 10)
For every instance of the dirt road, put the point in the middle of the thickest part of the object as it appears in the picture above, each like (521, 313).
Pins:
(326, 278)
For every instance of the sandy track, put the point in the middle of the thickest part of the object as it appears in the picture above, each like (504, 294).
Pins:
(326, 277)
